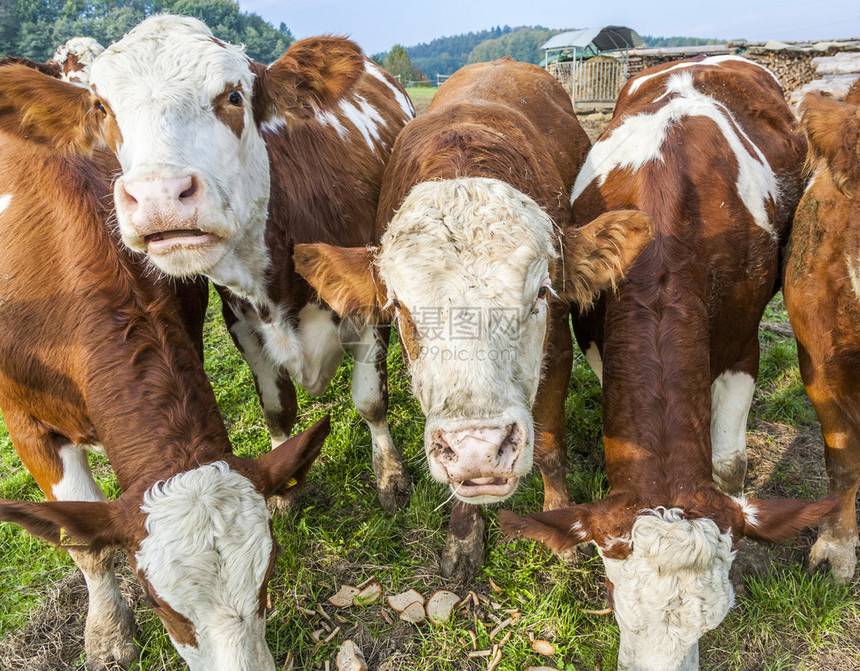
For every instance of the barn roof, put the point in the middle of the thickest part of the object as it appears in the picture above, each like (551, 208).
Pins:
(608, 38)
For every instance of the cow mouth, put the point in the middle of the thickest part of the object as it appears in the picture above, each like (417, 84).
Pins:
(495, 487)
(188, 237)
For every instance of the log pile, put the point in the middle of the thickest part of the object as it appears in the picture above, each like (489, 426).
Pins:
(834, 75)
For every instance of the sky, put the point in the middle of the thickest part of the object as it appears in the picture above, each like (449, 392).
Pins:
(378, 24)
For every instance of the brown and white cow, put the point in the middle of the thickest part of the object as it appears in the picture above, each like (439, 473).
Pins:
(94, 354)
(225, 165)
(822, 294)
(471, 262)
(71, 61)
(710, 151)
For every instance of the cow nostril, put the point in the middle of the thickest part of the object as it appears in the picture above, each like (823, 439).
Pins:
(125, 197)
(443, 448)
(511, 439)
(190, 191)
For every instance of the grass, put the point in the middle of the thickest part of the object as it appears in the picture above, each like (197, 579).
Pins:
(338, 534)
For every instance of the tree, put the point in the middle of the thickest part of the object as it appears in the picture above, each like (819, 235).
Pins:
(400, 65)
(34, 28)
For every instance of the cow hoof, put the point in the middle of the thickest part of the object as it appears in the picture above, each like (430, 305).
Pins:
(462, 559)
(109, 643)
(840, 555)
(284, 501)
(577, 555)
(394, 491)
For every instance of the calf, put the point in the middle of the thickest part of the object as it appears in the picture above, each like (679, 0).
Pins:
(709, 150)
(822, 294)
(94, 355)
(225, 165)
(474, 264)
(71, 61)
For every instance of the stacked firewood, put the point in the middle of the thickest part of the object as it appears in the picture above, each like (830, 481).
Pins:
(833, 74)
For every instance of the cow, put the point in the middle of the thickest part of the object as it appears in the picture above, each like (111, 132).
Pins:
(822, 295)
(95, 355)
(707, 148)
(225, 165)
(476, 264)
(71, 61)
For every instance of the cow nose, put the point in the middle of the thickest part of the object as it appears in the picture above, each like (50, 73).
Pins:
(173, 195)
(485, 451)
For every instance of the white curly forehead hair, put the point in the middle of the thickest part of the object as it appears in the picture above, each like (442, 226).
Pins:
(449, 233)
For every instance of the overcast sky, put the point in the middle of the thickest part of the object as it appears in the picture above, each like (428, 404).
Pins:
(378, 24)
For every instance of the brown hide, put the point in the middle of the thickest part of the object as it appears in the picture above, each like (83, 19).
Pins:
(504, 120)
(821, 295)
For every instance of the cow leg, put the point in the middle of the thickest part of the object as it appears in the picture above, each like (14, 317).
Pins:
(464, 547)
(731, 396)
(839, 414)
(370, 396)
(550, 424)
(62, 472)
(275, 389)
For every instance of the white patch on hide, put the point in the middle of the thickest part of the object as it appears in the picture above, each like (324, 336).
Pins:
(4, 201)
(639, 139)
(330, 120)
(77, 483)
(365, 118)
(731, 396)
(710, 61)
(853, 265)
(592, 356)
(749, 511)
(672, 588)
(403, 100)
(206, 554)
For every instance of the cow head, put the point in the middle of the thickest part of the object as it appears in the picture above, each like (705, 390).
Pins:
(75, 58)
(201, 545)
(467, 267)
(186, 115)
(667, 568)
(833, 130)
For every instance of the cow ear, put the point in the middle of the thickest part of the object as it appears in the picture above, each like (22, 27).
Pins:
(779, 520)
(597, 255)
(314, 75)
(289, 463)
(558, 529)
(83, 525)
(833, 131)
(344, 277)
(37, 107)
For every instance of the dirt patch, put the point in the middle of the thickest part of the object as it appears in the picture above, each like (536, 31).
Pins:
(594, 122)
(53, 638)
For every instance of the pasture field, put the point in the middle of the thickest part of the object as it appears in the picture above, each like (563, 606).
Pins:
(338, 534)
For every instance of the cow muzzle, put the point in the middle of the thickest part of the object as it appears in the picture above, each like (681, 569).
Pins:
(159, 215)
(482, 464)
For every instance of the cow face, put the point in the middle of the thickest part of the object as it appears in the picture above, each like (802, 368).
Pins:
(667, 568)
(466, 268)
(175, 106)
(200, 543)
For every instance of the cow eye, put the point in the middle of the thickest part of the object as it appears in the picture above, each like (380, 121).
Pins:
(100, 107)
(542, 292)
(395, 303)
(235, 98)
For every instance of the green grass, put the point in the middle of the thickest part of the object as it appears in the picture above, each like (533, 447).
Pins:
(339, 534)
(417, 92)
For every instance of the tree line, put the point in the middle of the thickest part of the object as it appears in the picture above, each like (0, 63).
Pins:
(34, 28)
(445, 55)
